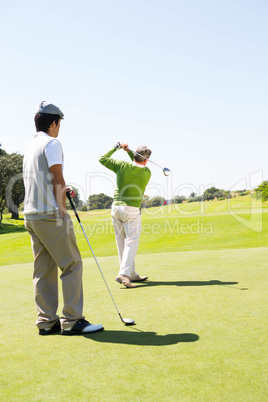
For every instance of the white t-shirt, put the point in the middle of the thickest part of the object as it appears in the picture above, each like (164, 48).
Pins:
(54, 156)
(53, 152)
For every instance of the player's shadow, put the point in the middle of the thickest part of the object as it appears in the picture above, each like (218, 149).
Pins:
(186, 283)
(141, 338)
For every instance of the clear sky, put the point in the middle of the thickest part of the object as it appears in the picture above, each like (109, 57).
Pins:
(189, 79)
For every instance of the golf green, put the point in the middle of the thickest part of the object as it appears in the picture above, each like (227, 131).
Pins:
(200, 333)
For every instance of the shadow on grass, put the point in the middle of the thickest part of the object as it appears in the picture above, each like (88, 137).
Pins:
(141, 338)
(10, 228)
(186, 283)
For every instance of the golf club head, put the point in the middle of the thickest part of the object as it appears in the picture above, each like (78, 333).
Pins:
(128, 321)
(166, 171)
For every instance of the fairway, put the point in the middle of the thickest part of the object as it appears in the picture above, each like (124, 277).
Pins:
(236, 223)
(201, 319)
(201, 333)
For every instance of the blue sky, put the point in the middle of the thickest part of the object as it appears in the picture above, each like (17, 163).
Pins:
(187, 78)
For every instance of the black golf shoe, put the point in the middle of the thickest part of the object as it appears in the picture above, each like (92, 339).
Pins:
(48, 331)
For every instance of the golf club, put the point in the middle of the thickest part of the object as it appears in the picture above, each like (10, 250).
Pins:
(126, 321)
(166, 171)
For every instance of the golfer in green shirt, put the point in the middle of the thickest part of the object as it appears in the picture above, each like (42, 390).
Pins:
(132, 179)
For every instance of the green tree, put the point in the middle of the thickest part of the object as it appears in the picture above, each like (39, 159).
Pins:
(156, 202)
(11, 184)
(83, 206)
(145, 201)
(2, 151)
(178, 199)
(261, 192)
(99, 201)
(227, 194)
(196, 199)
(210, 193)
(241, 193)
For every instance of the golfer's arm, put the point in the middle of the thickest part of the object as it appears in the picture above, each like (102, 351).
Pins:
(107, 161)
(59, 188)
(131, 155)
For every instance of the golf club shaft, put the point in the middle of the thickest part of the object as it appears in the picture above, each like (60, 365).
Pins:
(149, 160)
(77, 217)
(100, 269)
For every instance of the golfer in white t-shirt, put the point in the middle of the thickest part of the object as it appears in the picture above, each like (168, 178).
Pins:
(51, 229)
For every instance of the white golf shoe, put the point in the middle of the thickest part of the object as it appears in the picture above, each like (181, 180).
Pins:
(82, 327)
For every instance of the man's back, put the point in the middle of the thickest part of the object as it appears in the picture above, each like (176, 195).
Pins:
(39, 196)
(131, 180)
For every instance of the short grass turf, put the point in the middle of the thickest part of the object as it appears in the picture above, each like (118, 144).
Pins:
(200, 333)
(236, 223)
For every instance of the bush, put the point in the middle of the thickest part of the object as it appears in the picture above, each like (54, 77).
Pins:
(178, 199)
(99, 201)
(145, 201)
(261, 192)
(156, 202)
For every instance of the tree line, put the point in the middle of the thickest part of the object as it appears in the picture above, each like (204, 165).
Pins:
(12, 191)
(11, 183)
(102, 201)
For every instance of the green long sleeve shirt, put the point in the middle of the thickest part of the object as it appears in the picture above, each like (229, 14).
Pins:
(131, 179)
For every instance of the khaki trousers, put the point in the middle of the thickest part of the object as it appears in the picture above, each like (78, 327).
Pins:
(127, 229)
(54, 245)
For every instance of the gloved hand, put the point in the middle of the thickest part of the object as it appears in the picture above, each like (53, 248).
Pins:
(71, 191)
(117, 145)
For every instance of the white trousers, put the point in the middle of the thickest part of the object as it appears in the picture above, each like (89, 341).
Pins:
(127, 229)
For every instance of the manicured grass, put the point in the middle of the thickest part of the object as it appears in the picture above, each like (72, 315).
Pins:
(201, 333)
(235, 223)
